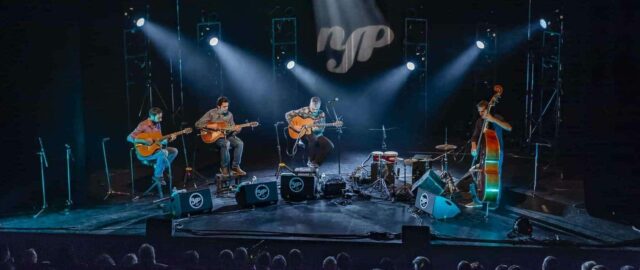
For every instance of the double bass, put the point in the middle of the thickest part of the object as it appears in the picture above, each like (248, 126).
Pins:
(486, 165)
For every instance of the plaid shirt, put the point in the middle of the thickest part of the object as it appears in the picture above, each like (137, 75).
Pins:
(305, 112)
(146, 126)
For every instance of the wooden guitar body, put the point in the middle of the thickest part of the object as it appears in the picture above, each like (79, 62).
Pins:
(147, 150)
(488, 188)
(212, 135)
(297, 123)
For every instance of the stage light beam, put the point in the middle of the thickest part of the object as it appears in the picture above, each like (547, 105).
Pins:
(140, 22)
(543, 23)
(411, 66)
(213, 41)
(480, 44)
(291, 64)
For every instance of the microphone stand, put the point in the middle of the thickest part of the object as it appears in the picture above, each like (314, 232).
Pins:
(43, 164)
(339, 131)
(69, 202)
(110, 190)
(281, 164)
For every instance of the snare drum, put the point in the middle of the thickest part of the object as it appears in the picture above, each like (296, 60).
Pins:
(390, 156)
(377, 156)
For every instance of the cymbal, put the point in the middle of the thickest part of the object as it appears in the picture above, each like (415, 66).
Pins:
(446, 147)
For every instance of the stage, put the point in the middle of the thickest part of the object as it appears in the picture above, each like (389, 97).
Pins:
(557, 218)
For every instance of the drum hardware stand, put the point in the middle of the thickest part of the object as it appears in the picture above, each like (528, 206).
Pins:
(380, 185)
(405, 188)
(281, 164)
(69, 202)
(384, 135)
(110, 190)
(43, 163)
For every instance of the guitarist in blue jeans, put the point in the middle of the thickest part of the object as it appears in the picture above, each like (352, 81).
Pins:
(221, 113)
(162, 157)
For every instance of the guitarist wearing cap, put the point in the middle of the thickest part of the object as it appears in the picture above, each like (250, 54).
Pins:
(211, 120)
(309, 122)
(140, 136)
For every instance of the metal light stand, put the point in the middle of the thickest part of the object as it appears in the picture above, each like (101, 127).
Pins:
(110, 190)
(281, 164)
(43, 164)
(69, 202)
(339, 131)
(535, 168)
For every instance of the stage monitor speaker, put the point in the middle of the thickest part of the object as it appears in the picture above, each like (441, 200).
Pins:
(256, 194)
(191, 202)
(430, 181)
(297, 187)
(437, 206)
(159, 227)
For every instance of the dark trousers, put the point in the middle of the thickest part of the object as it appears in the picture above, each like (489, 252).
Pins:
(318, 147)
(224, 145)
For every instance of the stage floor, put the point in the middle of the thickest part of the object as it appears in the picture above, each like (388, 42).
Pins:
(554, 220)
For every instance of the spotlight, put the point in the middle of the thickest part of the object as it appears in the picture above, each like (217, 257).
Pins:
(480, 44)
(213, 41)
(140, 22)
(543, 24)
(411, 66)
(291, 64)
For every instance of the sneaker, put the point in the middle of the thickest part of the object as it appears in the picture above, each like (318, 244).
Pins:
(237, 171)
(159, 179)
(224, 171)
(473, 204)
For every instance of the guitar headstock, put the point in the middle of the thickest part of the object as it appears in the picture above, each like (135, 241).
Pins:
(254, 124)
(338, 123)
(187, 130)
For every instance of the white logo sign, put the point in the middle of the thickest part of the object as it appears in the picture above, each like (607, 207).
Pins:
(424, 200)
(296, 184)
(262, 192)
(196, 200)
(360, 44)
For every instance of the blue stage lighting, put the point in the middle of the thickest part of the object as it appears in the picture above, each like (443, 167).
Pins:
(291, 64)
(140, 22)
(543, 24)
(411, 66)
(214, 41)
(480, 44)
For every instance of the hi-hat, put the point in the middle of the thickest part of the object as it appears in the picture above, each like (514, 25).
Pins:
(446, 147)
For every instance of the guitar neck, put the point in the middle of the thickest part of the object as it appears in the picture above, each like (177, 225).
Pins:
(178, 133)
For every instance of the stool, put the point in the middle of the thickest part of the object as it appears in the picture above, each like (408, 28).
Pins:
(155, 184)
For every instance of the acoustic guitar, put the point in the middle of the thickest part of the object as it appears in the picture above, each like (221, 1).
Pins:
(157, 138)
(220, 130)
(303, 126)
(488, 174)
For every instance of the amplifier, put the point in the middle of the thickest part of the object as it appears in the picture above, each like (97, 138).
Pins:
(198, 201)
(255, 194)
(297, 187)
(306, 171)
(332, 185)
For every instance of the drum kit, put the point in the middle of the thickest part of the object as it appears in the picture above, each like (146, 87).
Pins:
(384, 169)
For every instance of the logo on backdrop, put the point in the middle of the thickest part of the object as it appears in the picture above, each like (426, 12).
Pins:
(262, 192)
(424, 200)
(359, 45)
(296, 184)
(196, 200)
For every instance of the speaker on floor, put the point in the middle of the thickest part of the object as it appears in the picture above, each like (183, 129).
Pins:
(297, 187)
(436, 206)
(192, 202)
(257, 194)
(430, 181)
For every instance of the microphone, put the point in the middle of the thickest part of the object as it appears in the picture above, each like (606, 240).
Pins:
(106, 139)
(334, 100)
(279, 123)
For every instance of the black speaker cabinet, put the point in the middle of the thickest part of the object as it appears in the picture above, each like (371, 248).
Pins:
(297, 187)
(191, 202)
(256, 194)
